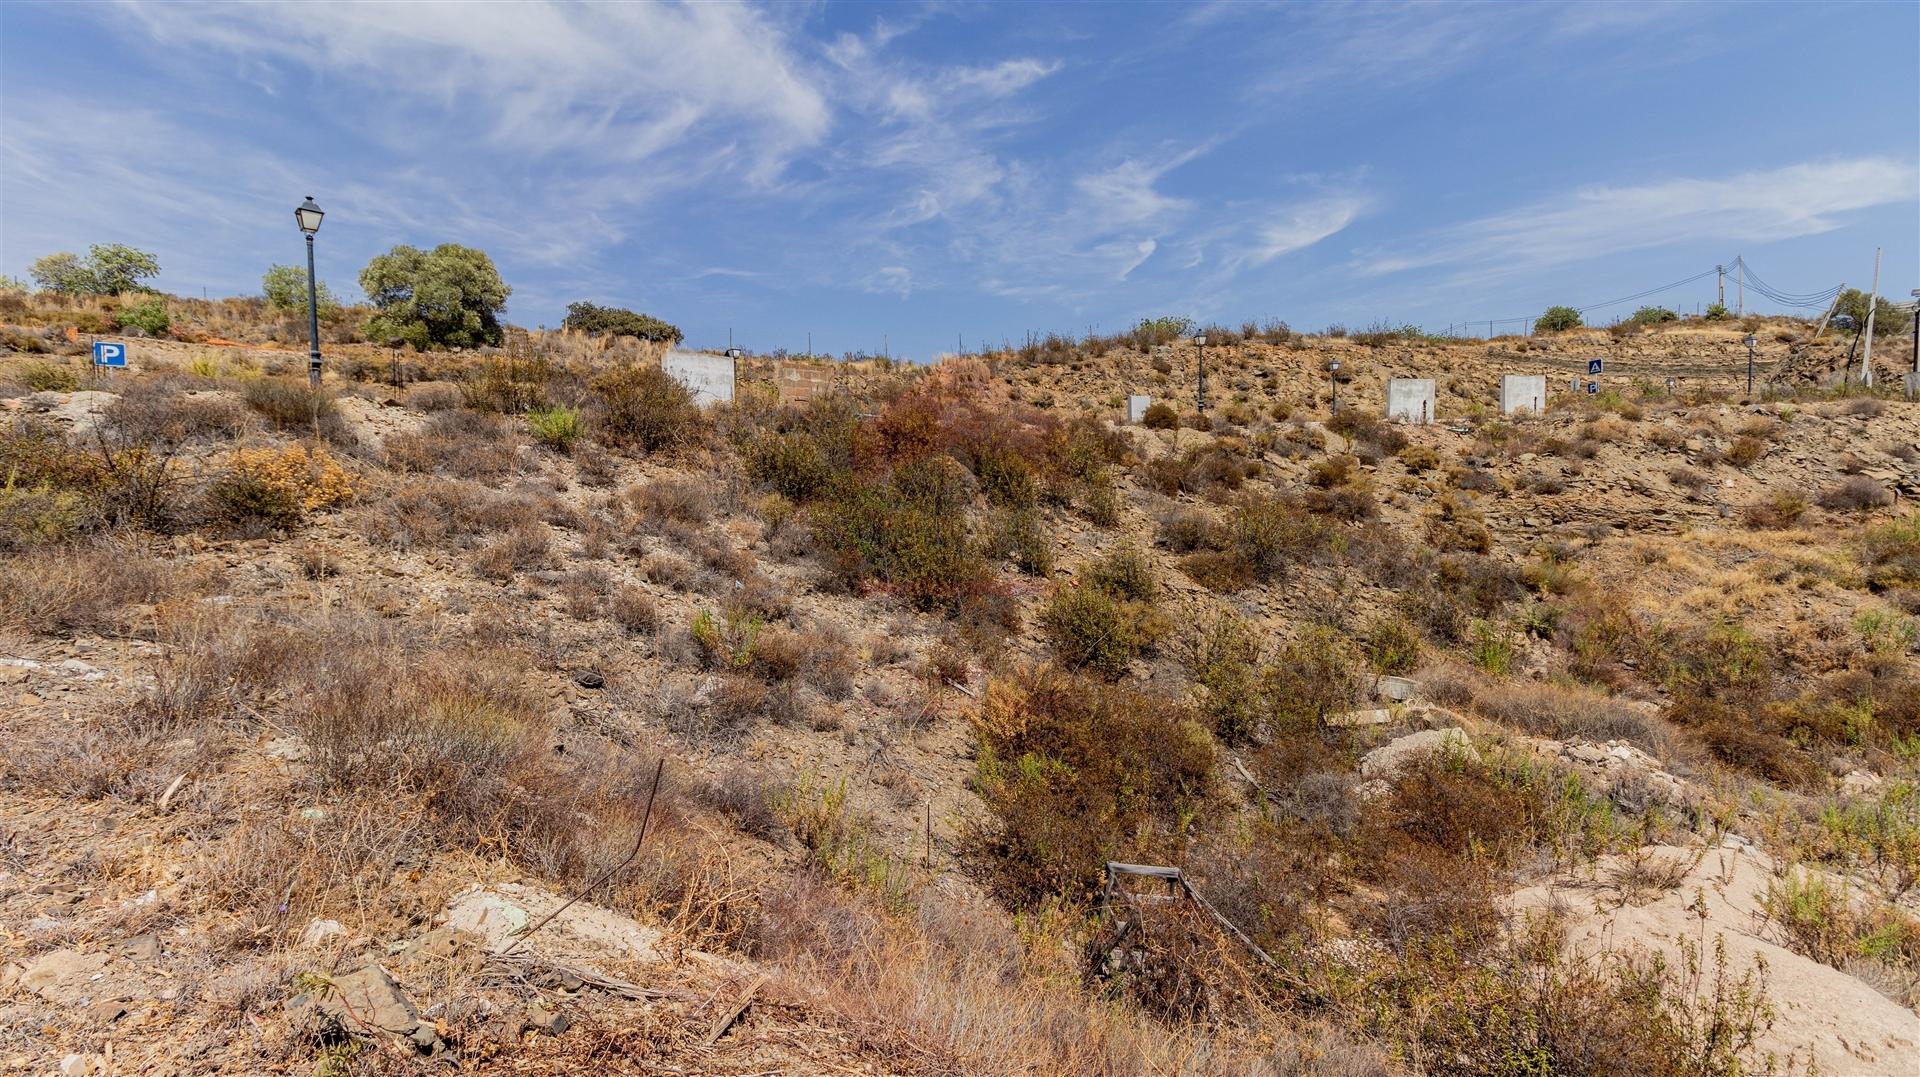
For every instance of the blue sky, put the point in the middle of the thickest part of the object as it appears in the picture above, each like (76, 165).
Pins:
(922, 173)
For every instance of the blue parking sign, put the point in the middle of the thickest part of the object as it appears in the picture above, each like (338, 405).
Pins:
(105, 354)
(1594, 366)
(1593, 387)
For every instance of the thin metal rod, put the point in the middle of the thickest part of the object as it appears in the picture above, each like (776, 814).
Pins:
(610, 872)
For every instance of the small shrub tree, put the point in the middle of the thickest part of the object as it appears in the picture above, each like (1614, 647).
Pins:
(643, 408)
(1653, 316)
(1557, 320)
(286, 290)
(584, 317)
(108, 269)
(450, 296)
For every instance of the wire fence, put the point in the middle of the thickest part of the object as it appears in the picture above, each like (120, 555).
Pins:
(1739, 268)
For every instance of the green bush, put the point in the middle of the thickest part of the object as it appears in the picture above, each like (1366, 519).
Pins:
(1306, 683)
(791, 464)
(1393, 645)
(249, 501)
(1021, 535)
(1558, 320)
(44, 377)
(643, 407)
(584, 317)
(908, 531)
(556, 427)
(1718, 312)
(1125, 573)
(1091, 629)
(149, 316)
(1653, 316)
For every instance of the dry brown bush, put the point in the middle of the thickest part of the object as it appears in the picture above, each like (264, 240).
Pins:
(1856, 493)
(522, 548)
(83, 588)
(635, 610)
(460, 443)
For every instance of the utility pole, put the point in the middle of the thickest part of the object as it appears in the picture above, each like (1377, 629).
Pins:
(1873, 300)
(1720, 287)
(1740, 263)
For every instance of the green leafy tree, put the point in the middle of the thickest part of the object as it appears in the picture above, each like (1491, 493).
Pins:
(108, 269)
(63, 273)
(1557, 320)
(450, 296)
(286, 290)
(1653, 316)
(585, 317)
(1887, 318)
(1718, 312)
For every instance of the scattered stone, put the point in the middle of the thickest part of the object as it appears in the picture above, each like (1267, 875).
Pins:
(141, 948)
(290, 749)
(106, 1011)
(83, 670)
(319, 931)
(1860, 783)
(367, 1002)
(64, 976)
(1361, 718)
(1395, 689)
(587, 678)
(538, 1017)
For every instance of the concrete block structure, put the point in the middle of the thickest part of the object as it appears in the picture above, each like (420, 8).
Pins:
(1523, 393)
(1137, 406)
(1410, 400)
(708, 377)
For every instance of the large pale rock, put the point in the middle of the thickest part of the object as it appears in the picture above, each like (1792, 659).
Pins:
(1397, 755)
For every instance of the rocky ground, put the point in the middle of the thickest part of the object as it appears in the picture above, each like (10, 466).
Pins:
(130, 948)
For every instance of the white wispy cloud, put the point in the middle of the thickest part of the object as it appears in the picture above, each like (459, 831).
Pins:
(1782, 203)
(617, 81)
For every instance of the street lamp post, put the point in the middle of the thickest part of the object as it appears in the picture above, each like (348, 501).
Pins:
(1750, 342)
(1333, 373)
(1202, 342)
(308, 215)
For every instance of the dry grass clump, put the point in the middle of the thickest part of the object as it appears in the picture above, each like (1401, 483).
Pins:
(158, 411)
(277, 486)
(460, 443)
(1567, 712)
(83, 588)
(525, 547)
(1777, 511)
(291, 405)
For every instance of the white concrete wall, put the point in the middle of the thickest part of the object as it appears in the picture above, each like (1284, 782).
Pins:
(1410, 400)
(1523, 392)
(708, 377)
(1137, 406)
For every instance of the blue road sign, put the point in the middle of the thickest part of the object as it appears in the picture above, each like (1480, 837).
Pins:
(105, 354)
(1594, 366)
(1593, 387)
